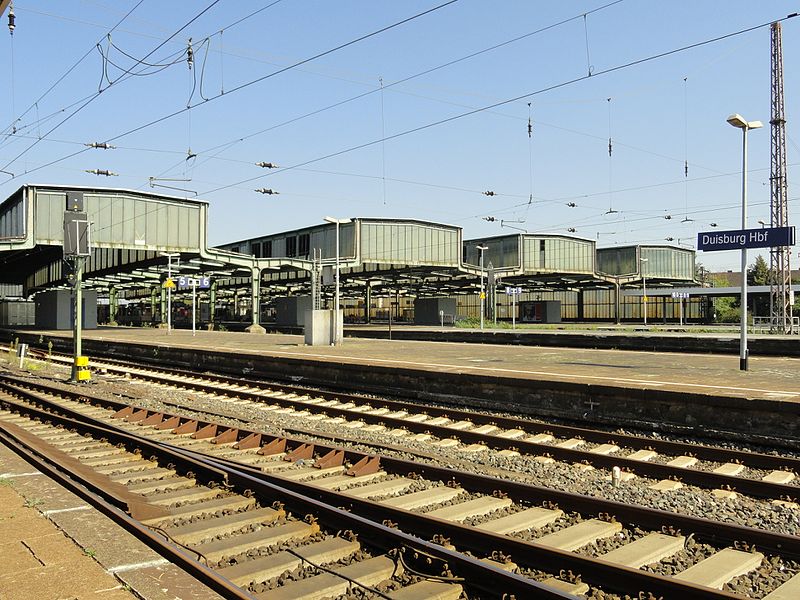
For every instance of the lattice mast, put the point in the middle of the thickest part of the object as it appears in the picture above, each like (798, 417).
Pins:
(781, 273)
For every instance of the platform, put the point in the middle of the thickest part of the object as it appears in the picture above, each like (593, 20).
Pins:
(686, 389)
(55, 545)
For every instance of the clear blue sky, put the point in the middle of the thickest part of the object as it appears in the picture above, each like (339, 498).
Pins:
(656, 120)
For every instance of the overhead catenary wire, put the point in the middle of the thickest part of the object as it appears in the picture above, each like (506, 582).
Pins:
(548, 88)
(589, 67)
(686, 218)
(586, 222)
(90, 97)
(72, 68)
(235, 89)
(89, 52)
(226, 145)
(94, 97)
(383, 146)
(610, 210)
(509, 209)
(530, 154)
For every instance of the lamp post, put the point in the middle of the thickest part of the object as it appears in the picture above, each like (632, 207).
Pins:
(481, 249)
(739, 122)
(337, 340)
(169, 288)
(644, 288)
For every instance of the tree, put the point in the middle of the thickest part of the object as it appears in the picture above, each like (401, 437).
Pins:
(759, 274)
(725, 309)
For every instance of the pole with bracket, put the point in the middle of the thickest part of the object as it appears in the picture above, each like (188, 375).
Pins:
(77, 248)
(77, 321)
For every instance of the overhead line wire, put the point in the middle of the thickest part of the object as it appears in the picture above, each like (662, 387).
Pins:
(549, 88)
(44, 119)
(450, 63)
(240, 20)
(94, 97)
(72, 68)
(239, 87)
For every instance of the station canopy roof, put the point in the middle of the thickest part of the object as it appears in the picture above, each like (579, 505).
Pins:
(134, 232)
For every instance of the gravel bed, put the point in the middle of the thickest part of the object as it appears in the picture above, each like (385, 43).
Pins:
(495, 514)
(266, 550)
(772, 573)
(594, 593)
(657, 431)
(691, 554)
(303, 571)
(688, 500)
(605, 545)
(178, 522)
(566, 520)
(462, 497)
(417, 486)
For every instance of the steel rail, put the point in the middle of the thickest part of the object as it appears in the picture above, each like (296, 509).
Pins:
(705, 479)
(714, 532)
(700, 451)
(608, 575)
(490, 580)
(95, 497)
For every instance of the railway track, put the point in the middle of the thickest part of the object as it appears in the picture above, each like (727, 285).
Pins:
(244, 537)
(669, 463)
(624, 548)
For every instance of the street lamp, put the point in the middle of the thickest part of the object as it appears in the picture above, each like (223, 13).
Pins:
(644, 288)
(337, 340)
(169, 287)
(762, 223)
(738, 121)
(481, 249)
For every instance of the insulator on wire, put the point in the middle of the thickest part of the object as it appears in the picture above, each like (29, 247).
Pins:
(609, 146)
(572, 230)
(686, 168)
(103, 172)
(490, 219)
(266, 165)
(11, 20)
(189, 54)
(267, 191)
(100, 145)
(571, 204)
(488, 193)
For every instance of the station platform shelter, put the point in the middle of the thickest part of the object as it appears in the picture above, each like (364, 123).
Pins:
(139, 238)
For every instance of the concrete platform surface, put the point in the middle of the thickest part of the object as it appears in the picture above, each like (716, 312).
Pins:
(769, 378)
(54, 545)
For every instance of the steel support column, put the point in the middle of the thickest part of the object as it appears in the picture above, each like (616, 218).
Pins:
(255, 301)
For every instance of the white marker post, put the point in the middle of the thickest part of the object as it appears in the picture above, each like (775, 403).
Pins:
(513, 292)
(193, 283)
(514, 311)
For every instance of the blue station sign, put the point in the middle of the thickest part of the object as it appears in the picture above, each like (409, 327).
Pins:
(187, 283)
(739, 239)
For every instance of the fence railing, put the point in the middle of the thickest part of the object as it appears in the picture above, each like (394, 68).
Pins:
(766, 324)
